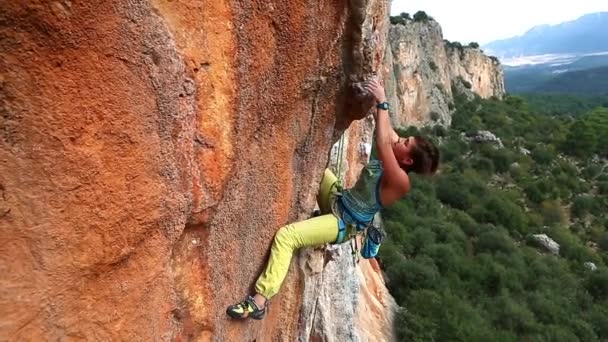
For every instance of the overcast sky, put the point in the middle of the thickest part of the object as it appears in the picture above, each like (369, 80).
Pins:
(483, 21)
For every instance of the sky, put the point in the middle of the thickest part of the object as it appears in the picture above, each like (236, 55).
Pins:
(484, 21)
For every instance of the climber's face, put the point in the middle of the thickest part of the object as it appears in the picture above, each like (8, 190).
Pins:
(403, 150)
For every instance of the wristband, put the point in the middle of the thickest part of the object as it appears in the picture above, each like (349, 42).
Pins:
(382, 105)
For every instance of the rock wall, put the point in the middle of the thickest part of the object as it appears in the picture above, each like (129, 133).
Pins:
(422, 68)
(151, 149)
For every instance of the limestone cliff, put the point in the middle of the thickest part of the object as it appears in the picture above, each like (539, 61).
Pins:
(422, 68)
(149, 150)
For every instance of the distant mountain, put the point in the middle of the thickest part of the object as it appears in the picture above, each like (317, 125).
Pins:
(586, 34)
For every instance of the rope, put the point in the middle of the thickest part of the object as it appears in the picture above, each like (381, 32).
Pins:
(340, 156)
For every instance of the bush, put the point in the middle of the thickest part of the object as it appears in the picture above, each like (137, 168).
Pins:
(582, 205)
(473, 45)
(397, 20)
(501, 158)
(446, 258)
(495, 241)
(553, 213)
(484, 165)
(603, 243)
(452, 190)
(602, 188)
(464, 221)
(500, 211)
(514, 316)
(421, 16)
(433, 66)
(405, 15)
(597, 284)
(434, 116)
(543, 155)
(453, 45)
(417, 273)
(581, 140)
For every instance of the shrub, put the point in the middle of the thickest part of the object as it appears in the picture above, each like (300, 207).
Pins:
(553, 213)
(421, 16)
(597, 284)
(500, 211)
(452, 190)
(433, 66)
(495, 241)
(473, 45)
(434, 116)
(543, 155)
(603, 244)
(405, 15)
(464, 221)
(581, 140)
(582, 205)
(453, 45)
(484, 165)
(398, 20)
(602, 188)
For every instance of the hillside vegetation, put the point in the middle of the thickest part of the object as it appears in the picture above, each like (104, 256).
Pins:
(590, 81)
(462, 259)
(572, 79)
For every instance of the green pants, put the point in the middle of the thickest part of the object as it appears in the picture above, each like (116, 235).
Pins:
(312, 232)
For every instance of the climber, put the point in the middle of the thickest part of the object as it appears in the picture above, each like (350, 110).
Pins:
(346, 212)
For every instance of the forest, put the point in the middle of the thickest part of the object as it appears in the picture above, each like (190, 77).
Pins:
(471, 252)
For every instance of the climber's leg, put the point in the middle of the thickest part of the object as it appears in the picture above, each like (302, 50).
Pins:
(328, 186)
(312, 232)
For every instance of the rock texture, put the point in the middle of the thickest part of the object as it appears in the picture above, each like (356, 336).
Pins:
(422, 68)
(547, 243)
(150, 150)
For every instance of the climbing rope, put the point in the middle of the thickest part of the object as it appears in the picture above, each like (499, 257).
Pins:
(340, 156)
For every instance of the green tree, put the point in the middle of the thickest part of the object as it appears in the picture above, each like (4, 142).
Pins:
(452, 190)
(553, 213)
(581, 141)
(495, 241)
(582, 205)
(421, 16)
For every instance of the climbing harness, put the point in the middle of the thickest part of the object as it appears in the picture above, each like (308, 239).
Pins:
(369, 231)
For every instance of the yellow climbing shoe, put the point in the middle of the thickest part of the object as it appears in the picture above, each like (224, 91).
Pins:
(246, 309)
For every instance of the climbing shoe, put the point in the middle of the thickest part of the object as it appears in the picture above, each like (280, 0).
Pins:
(246, 309)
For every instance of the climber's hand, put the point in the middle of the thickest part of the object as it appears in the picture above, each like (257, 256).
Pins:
(376, 89)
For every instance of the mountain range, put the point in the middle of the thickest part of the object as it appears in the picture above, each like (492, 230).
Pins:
(587, 34)
(571, 57)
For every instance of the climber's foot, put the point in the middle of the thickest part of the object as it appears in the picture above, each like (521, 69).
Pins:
(246, 309)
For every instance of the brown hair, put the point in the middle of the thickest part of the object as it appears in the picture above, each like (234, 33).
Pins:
(425, 156)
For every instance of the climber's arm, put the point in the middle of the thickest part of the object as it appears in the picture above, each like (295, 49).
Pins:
(385, 135)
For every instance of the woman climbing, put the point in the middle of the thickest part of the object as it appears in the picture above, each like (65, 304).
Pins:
(382, 182)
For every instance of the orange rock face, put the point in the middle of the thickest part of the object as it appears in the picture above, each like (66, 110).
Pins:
(150, 150)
